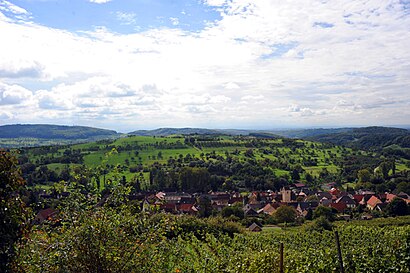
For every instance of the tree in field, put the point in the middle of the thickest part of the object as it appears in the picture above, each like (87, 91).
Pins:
(13, 214)
(285, 214)
(295, 175)
(204, 206)
(397, 207)
(235, 210)
(364, 175)
(326, 212)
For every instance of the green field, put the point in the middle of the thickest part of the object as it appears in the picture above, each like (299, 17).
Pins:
(281, 156)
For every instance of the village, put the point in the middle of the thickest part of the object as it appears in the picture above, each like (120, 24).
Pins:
(359, 205)
(267, 202)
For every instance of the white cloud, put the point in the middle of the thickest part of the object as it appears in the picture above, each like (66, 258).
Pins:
(265, 62)
(13, 94)
(126, 18)
(216, 3)
(10, 7)
(5, 116)
(174, 21)
(100, 1)
(20, 69)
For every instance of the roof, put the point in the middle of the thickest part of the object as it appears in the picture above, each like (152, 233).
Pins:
(250, 212)
(390, 197)
(187, 208)
(255, 227)
(373, 201)
(340, 207)
(358, 197)
(334, 191)
(345, 199)
(268, 209)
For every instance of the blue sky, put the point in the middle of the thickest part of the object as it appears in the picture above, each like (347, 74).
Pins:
(140, 64)
(122, 16)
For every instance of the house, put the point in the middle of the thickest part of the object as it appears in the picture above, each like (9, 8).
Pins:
(235, 198)
(323, 194)
(175, 197)
(358, 198)
(299, 185)
(303, 207)
(372, 202)
(249, 211)
(269, 209)
(381, 206)
(169, 207)
(390, 197)
(340, 207)
(325, 201)
(334, 192)
(403, 195)
(346, 199)
(187, 209)
(255, 228)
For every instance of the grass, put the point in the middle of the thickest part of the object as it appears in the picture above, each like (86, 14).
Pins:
(145, 150)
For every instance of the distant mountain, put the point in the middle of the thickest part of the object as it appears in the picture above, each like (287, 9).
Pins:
(46, 131)
(305, 133)
(367, 137)
(187, 131)
(203, 131)
(23, 135)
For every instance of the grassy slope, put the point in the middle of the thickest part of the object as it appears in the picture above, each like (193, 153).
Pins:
(148, 154)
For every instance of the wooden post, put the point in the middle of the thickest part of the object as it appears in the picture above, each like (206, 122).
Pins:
(339, 252)
(281, 270)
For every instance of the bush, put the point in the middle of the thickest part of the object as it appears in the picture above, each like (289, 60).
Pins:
(320, 224)
(285, 214)
(325, 212)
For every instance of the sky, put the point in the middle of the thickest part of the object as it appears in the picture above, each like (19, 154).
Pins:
(250, 64)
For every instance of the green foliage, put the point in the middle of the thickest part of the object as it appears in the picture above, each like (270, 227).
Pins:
(235, 210)
(364, 175)
(285, 214)
(13, 214)
(397, 207)
(322, 211)
(109, 241)
(320, 224)
(211, 162)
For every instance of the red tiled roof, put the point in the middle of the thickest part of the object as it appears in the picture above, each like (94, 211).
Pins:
(340, 207)
(390, 197)
(186, 208)
(358, 197)
(373, 201)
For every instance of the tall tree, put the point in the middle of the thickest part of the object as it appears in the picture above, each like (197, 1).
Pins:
(13, 214)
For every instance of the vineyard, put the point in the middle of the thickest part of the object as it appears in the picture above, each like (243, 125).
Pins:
(112, 241)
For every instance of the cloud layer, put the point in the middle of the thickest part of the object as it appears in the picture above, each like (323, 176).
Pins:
(265, 64)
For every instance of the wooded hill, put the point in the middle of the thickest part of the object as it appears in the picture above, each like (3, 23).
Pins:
(373, 138)
(28, 135)
(367, 138)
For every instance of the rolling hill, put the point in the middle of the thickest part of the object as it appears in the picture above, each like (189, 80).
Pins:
(23, 135)
(373, 138)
